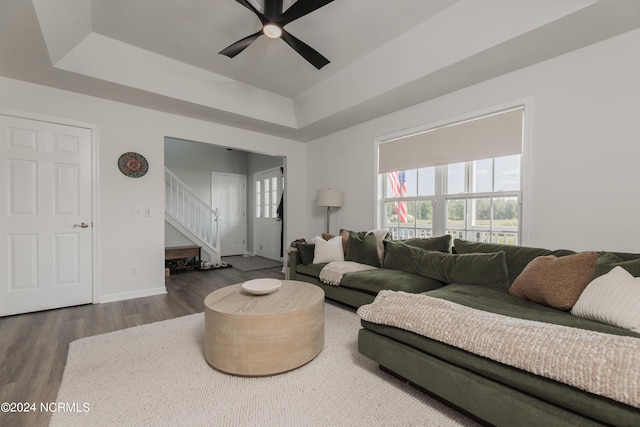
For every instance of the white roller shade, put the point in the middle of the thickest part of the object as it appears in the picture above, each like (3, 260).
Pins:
(496, 135)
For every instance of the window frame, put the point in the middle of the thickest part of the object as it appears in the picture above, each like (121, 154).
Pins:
(440, 202)
(439, 215)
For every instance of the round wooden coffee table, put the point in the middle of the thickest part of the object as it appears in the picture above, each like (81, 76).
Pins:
(258, 335)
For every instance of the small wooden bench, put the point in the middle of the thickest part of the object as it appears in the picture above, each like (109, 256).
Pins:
(183, 253)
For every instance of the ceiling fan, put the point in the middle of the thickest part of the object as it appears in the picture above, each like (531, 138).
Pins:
(273, 20)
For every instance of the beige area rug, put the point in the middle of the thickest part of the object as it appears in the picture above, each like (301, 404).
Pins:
(156, 375)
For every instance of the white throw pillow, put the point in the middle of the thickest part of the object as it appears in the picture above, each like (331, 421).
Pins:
(612, 298)
(328, 250)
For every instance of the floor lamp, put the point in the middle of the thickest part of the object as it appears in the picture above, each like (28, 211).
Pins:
(331, 199)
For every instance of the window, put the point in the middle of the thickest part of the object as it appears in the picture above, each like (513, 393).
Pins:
(477, 200)
(409, 200)
(269, 185)
(486, 207)
(258, 187)
(461, 179)
(267, 198)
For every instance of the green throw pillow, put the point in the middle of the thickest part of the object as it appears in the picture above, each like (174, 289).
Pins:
(517, 257)
(400, 256)
(440, 243)
(607, 261)
(361, 248)
(484, 269)
(306, 251)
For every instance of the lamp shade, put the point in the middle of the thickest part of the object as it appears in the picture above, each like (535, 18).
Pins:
(329, 198)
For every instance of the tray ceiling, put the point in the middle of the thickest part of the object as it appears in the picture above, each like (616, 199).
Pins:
(163, 54)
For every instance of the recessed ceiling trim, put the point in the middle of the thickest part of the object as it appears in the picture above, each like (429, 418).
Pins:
(389, 78)
(64, 24)
(434, 45)
(111, 60)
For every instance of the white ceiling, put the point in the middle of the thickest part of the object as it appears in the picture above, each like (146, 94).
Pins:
(163, 54)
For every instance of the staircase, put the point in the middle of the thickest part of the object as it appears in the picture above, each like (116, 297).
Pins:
(192, 216)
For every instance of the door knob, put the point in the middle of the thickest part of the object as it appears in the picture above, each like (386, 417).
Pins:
(81, 225)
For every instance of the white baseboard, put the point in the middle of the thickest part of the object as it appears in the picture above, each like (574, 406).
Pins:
(133, 294)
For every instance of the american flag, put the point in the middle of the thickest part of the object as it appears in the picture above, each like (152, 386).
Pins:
(398, 181)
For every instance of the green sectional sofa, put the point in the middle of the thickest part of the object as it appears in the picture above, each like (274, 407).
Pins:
(362, 287)
(476, 275)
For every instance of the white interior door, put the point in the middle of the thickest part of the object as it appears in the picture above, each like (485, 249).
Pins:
(228, 193)
(268, 188)
(45, 196)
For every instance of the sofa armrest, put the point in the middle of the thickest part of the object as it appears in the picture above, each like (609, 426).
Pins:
(294, 260)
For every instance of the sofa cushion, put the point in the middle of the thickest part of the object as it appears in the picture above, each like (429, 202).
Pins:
(518, 257)
(312, 270)
(373, 281)
(607, 261)
(400, 256)
(361, 248)
(555, 282)
(612, 298)
(495, 301)
(440, 243)
(488, 269)
(327, 250)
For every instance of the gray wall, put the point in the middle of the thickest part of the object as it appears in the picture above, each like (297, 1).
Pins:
(193, 163)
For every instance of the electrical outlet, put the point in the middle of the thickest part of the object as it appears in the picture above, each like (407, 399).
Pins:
(136, 212)
(133, 271)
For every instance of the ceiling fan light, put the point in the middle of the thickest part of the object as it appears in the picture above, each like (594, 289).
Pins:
(272, 30)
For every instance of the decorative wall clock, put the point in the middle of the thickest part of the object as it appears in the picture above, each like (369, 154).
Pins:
(133, 165)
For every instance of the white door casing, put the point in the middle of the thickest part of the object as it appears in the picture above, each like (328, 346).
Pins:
(45, 215)
(268, 187)
(228, 194)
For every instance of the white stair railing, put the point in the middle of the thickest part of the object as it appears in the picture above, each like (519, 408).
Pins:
(194, 214)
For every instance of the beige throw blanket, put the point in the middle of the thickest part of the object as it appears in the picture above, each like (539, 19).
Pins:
(332, 273)
(602, 364)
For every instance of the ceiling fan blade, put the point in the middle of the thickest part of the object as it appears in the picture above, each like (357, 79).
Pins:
(306, 51)
(273, 8)
(249, 6)
(301, 8)
(240, 45)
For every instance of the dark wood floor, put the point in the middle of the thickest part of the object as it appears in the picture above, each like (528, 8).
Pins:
(34, 346)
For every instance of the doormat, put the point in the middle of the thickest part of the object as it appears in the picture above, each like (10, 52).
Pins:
(251, 263)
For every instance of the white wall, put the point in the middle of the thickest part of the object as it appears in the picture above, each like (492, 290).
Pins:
(173, 237)
(138, 241)
(583, 171)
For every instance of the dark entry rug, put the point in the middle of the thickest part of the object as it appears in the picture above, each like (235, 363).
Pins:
(251, 263)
